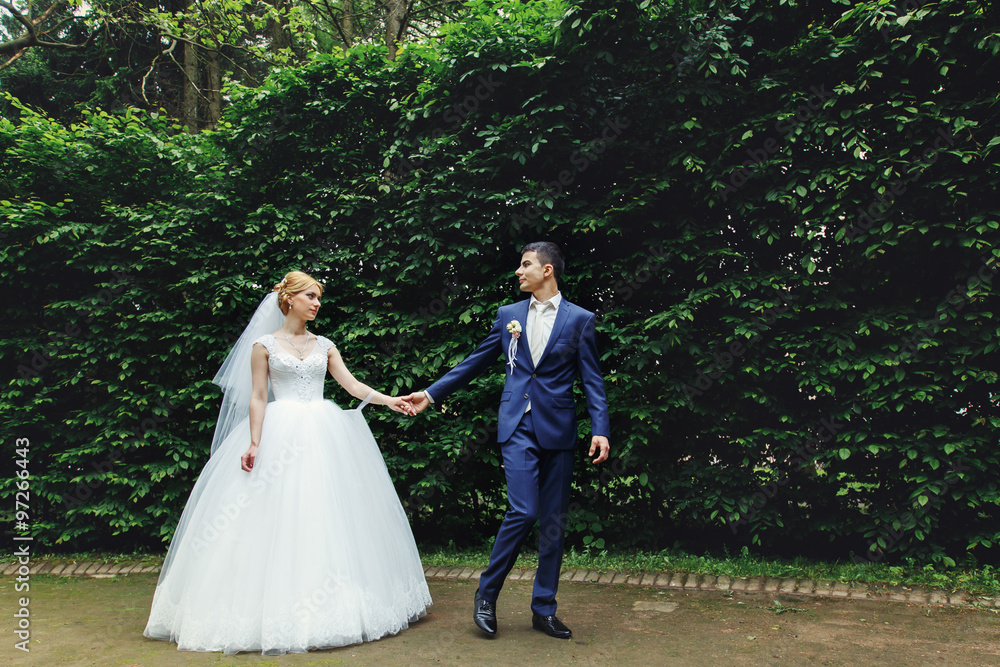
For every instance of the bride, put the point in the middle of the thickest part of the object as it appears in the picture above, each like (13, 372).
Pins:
(307, 546)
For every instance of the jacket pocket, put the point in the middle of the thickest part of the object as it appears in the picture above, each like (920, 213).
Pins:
(506, 396)
(564, 348)
(563, 403)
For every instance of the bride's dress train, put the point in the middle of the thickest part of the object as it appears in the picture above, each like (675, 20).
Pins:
(310, 550)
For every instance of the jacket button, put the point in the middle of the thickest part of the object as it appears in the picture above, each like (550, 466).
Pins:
(526, 396)
(534, 375)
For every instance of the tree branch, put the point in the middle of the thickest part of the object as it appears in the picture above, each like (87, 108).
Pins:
(335, 20)
(152, 66)
(428, 8)
(31, 37)
(414, 28)
(21, 18)
(13, 58)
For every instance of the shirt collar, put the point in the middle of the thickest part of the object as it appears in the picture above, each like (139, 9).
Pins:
(555, 301)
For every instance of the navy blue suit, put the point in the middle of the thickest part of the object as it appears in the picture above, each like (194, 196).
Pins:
(537, 447)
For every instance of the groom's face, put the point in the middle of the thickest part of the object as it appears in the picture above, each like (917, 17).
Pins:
(531, 273)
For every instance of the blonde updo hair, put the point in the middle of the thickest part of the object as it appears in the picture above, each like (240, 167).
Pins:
(294, 282)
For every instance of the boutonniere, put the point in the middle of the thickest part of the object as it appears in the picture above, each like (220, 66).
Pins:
(514, 328)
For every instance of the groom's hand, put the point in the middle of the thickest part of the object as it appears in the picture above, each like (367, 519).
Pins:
(400, 404)
(418, 400)
(599, 442)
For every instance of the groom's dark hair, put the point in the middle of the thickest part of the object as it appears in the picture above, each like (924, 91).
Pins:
(548, 253)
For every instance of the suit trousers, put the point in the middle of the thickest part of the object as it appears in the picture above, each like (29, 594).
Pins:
(538, 488)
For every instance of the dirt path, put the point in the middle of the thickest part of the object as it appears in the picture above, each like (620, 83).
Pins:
(86, 621)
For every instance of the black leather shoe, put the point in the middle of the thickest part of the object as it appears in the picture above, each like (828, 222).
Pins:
(484, 613)
(551, 626)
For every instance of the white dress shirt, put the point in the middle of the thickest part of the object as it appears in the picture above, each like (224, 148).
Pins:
(548, 318)
(544, 319)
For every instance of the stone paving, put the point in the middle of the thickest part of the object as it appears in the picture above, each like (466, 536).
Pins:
(668, 580)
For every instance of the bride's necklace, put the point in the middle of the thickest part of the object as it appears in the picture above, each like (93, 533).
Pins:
(302, 354)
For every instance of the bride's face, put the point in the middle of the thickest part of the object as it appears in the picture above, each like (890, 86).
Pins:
(305, 304)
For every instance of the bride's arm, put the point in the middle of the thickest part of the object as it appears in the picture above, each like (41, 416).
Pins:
(258, 403)
(360, 390)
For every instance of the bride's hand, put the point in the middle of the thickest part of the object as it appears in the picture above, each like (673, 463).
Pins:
(417, 401)
(400, 405)
(248, 458)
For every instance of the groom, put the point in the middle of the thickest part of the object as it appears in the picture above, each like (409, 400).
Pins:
(546, 340)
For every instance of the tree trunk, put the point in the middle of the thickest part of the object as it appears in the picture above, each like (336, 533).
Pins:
(189, 99)
(277, 30)
(214, 86)
(395, 16)
(347, 24)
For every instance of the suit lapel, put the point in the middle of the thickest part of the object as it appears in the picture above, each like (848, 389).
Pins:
(562, 315)
(520, 311)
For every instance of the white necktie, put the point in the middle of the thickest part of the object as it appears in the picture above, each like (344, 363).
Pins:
(538, 331)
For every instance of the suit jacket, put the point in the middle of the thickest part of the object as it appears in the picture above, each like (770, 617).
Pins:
(546, 382)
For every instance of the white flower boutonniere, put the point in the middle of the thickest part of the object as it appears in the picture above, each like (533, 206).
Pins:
(514, 328)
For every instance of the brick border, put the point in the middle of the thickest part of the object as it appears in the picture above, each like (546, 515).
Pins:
(687, 581)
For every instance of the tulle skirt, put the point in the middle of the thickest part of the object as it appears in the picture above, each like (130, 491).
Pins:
(310, 550)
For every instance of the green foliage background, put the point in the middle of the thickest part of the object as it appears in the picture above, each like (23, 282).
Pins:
(782, 368)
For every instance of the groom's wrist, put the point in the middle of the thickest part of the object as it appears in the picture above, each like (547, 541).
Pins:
(430, 399)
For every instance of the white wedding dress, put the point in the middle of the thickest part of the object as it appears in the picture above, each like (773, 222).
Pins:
(310, 550)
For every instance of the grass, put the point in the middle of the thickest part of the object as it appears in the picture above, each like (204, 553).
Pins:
(92, 557)
(976, 581)
(980, 582)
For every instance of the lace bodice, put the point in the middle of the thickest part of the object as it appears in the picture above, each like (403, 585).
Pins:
(295, 379)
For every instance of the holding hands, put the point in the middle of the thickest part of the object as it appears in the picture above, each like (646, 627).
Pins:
(417, 401)
(402, 404)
